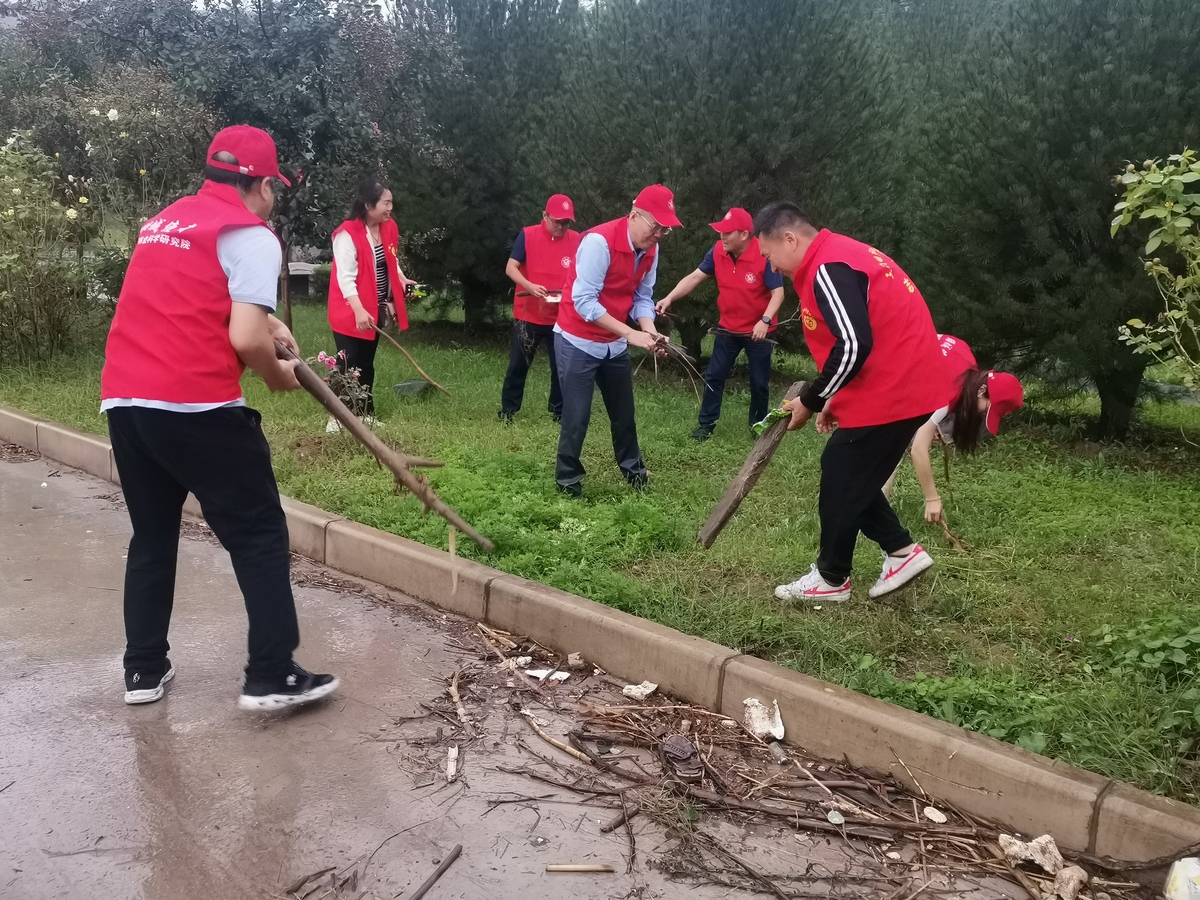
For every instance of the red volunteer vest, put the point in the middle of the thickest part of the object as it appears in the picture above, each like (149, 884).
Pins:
(547, 262)
(341, 317)
(959, 361)
(620, 281)
(905, 374)
(169, 339)
(742, 295)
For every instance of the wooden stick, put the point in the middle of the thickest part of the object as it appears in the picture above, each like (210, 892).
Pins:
(570, 751)
(764, 449)
(458, 704)
(398, 463)
(438, 873)
(601, 868)
(396, 344)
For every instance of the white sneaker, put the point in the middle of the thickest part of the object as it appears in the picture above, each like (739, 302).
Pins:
(814, 588)
(370, 421)
(333, 426)
(900, 570)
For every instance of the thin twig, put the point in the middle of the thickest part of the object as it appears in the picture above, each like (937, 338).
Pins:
(396, 344)
(458, 704)
(565, 748)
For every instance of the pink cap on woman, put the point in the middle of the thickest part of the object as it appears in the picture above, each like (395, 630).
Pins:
(1006, 396)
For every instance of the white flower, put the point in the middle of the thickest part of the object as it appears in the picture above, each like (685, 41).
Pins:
(94, 111)
(71, 179)
(17, 191)
(72, 214)
(112, 115)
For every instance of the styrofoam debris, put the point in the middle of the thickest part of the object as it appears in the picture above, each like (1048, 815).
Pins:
(1040, 851)
(1069, 882)
(759, 720)
(1183, 879)
(639, 692)
(547, 674)
(575, 660)
(524, 661)
(835, 817)
(894, 856)
(935, 815)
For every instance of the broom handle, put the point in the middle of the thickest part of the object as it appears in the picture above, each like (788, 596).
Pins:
(397, 463)
(396, 344)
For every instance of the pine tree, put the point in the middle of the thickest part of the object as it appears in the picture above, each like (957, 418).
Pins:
(1031, 109)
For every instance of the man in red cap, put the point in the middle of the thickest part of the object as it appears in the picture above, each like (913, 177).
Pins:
(610, 283)
(881, 376)
(749, 294)
(538, 264)
(194, 311)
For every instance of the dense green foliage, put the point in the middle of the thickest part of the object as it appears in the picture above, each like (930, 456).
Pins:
(975, 142)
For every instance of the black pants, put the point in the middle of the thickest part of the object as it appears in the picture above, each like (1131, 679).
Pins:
(526, 337)
(854, 467)
(222, 457)
(360, 354)
(580, 374)
(726, 348)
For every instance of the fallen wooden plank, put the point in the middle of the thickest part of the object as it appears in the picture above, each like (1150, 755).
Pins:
(760, 455)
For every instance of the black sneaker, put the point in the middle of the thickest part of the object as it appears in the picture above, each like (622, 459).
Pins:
(295, 689)
(143, 688)
(506, 418)
(574, 491)
(556, 416)
(702, 433)
(638, 482)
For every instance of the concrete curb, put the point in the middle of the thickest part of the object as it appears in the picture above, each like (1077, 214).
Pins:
(979, 775)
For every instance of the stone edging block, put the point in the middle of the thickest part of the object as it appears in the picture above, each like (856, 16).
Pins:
(19, 428)
(88, 452)
(979, 775)
(633, 648)
(448, 582)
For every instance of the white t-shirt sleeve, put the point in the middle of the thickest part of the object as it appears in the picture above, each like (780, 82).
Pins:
(346, 257)
(252, 259)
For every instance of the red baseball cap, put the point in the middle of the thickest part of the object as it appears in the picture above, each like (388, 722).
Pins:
(659, 202)
(1006, 396)
(253, 149)
(737, 219)
(560, 207)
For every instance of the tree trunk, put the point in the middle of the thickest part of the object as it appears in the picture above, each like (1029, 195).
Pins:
(478, 305)
(1118, 389)
(285, 297)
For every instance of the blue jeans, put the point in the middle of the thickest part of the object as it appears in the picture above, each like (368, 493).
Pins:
(725, 353)
(579, 374)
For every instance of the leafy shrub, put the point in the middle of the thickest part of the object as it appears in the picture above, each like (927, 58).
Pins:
(44, 302)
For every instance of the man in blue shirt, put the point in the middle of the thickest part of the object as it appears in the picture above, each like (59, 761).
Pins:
(611, 281)
(749, 294)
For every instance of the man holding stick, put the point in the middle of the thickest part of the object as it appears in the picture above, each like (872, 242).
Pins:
(749, 294)
(881, 377)
(610, 281)
(538, 265)
(194, 311)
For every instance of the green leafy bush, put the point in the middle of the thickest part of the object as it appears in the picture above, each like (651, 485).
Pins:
(44, 302)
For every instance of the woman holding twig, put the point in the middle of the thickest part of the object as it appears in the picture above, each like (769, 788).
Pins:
(366, 282)
(980, 400)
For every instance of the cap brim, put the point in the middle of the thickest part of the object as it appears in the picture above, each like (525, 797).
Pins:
(670, 221)
(722, 227)
(284, 180)
(993, 419)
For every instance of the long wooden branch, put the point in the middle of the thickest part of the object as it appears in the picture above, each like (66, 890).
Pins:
(396, 344)
(764, 448)
(398, 463)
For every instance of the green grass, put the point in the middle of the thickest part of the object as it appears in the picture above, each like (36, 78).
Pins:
(1068, 537)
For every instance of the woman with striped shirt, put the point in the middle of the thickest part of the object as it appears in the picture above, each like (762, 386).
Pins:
(366, 284)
